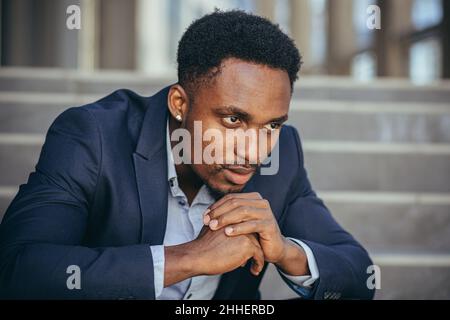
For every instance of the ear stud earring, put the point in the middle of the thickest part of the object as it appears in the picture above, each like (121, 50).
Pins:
(178, 117)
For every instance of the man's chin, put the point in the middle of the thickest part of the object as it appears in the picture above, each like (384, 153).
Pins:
(225, 188)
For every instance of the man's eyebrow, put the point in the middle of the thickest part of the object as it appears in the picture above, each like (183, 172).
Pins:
(280, 119)
(245, 115)
(233, 110)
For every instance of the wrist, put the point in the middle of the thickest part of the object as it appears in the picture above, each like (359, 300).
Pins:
(192, 258)
(294, 260)
(183, 256)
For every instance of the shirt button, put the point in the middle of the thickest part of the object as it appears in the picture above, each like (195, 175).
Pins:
(182, 203)
(189, 296)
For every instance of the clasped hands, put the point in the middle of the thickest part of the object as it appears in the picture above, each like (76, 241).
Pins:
(248, 217)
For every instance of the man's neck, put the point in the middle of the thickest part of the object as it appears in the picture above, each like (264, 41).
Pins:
(188, 180)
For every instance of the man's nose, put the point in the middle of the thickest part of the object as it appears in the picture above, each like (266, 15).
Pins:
(248, 152)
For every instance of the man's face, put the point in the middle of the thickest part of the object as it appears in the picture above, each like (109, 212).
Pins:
(242, 96)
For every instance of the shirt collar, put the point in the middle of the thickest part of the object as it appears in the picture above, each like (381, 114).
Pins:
(171, 172)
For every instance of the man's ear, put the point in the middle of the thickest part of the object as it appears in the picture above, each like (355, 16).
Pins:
(178, 102)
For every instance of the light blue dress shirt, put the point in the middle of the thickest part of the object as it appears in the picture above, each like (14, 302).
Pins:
(184, 223)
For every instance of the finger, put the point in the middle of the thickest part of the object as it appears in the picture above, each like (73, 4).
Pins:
(250, 195)
(258, 260)
(238, 215)
(258, 255)
(206, 217)
(254, 239)
(230, 204)
(233, 204)
(247, 227)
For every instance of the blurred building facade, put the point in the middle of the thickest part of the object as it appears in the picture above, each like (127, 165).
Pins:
(142, 35)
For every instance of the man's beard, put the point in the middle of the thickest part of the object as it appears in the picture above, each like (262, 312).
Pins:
(216, 193)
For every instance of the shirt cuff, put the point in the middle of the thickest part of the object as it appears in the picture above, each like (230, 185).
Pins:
(158, 268)
(304, 281)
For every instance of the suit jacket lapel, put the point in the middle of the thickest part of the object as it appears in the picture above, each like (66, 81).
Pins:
(150, 163)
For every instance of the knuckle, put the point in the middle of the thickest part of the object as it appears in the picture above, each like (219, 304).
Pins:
(257, 194)
(222, 220)
(234, 202)
(271, 226)
(227, 197)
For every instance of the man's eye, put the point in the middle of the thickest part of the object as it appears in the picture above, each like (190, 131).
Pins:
(273, 126)
(231, 120)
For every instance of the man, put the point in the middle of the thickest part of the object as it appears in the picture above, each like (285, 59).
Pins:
(109, 199)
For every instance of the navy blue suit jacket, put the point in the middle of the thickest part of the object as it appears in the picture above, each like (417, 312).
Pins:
(98, 198)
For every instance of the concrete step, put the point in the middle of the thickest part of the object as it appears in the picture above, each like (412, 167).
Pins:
(54, 80)
(394, 221)
(322, 120)
(308, 87)
(18, 158)
(331, 165)
(403, 276)
(34, 113)
(7, 193)
(371, 122)
(365, 166)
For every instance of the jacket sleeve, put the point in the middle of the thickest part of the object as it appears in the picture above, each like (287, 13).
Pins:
(42, 231)
(341, 260)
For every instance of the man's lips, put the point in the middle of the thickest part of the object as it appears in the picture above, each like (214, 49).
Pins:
(238, 174)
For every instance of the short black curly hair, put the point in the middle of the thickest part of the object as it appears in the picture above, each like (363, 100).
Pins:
(233, 34)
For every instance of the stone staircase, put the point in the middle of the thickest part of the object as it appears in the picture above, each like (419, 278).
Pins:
(378, 154)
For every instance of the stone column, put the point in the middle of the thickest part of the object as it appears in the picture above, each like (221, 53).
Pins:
(341, 37)
(117, 34)
(445, 36)
(153, 36)
(392, 49)
(89, 47)
(16, 37)
(34, 33)
(300, 28)
(265, 8)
